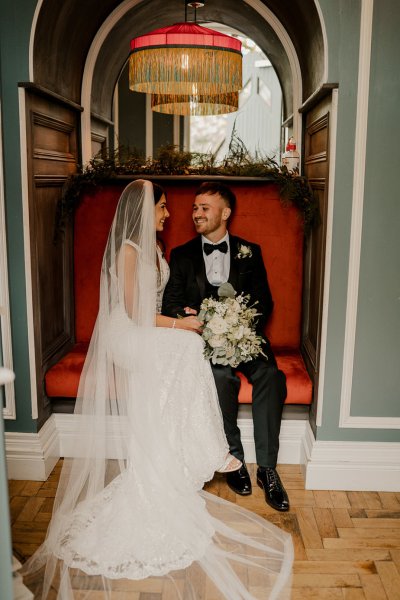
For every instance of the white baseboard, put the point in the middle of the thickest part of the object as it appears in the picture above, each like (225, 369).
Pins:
(351, 466)
(290, 440)
(358, 466)
(32, 456)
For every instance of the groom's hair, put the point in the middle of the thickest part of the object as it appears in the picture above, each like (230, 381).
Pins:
(217, 187)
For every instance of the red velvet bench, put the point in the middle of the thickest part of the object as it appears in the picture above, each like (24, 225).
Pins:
(259, 217)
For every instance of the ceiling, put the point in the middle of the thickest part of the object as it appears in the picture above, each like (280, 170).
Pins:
(66, 30)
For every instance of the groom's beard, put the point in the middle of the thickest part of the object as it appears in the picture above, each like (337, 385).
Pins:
(200, 225)
(208, 226)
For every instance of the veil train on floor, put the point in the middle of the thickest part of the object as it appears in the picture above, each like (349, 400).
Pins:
(129, 515)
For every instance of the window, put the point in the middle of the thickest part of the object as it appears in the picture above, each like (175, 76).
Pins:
(245, 93)
(264, 92)
(258, 120)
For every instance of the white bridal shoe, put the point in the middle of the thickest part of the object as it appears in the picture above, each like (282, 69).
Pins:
(231, 464)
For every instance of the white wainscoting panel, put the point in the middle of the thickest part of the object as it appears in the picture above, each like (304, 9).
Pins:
(326, 465)
(351, 466)
(32, 456)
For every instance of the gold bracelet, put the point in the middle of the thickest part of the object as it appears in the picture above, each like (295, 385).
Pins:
(173, 323)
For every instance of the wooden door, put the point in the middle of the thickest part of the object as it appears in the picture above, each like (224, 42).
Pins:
(316, 168)
(52, 143)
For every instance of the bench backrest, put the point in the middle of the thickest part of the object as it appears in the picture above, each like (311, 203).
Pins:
(260, 217)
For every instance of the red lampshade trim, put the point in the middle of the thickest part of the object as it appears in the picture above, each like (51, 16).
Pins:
(186, 34)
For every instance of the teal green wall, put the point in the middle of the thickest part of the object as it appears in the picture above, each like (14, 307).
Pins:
(333, 15)
(376, 381)
(376, 374)
(15, 26)
(377, 353)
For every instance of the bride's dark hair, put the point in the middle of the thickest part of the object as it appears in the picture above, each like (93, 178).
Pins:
(158, 192)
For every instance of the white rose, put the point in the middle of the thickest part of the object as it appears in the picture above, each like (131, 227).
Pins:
(231, 319)
(220, 310)
(238, 334)
(217, 325)
(216, 341)
(244, 251)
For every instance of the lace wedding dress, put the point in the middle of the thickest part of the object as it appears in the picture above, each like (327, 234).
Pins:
(130, 515)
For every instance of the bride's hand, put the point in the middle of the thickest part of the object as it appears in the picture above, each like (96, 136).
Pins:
(190, 323)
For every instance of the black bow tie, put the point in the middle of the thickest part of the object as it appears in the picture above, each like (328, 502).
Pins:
(209, 248)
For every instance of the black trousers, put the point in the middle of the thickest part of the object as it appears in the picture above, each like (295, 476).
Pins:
(269, 393)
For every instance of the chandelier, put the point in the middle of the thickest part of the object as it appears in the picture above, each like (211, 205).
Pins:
(186, 60)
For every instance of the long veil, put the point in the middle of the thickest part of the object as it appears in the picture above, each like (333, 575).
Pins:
(126, 519)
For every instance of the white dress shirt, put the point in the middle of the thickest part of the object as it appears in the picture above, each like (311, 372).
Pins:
(217, 263)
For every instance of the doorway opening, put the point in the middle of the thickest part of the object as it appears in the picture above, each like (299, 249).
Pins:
(257, 123)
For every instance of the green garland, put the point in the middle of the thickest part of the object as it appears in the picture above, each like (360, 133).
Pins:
(293, 189)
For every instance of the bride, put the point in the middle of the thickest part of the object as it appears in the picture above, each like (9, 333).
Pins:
(130, 515)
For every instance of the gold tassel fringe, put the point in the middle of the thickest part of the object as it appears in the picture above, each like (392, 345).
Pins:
(188, 71)
(200, 105)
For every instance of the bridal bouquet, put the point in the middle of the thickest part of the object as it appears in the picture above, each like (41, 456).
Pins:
(228, 330)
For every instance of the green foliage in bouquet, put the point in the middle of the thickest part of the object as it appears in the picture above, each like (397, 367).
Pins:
(228, 331)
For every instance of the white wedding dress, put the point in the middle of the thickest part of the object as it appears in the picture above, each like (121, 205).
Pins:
(129, 511)
(131, 515)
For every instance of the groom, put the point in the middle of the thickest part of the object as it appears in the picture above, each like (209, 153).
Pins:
(198, 268)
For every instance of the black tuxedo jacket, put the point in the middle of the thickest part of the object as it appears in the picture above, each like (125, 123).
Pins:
(187, 285)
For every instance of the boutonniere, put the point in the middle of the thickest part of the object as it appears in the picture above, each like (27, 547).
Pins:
(244, 251)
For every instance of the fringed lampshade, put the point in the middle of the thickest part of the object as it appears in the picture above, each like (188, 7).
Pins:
(185, 59)
(200, 105)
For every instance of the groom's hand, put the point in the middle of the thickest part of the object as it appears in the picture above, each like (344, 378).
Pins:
(190, 311)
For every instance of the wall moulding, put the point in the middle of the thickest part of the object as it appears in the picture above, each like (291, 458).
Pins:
(332, 465)
(351, 466)
(32, 456)
(360, 143)
(9, 410)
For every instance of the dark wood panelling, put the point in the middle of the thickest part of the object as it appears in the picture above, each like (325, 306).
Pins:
(316, 146)
(54, 275)
(52, 156)
(316, 167)
(52, 138)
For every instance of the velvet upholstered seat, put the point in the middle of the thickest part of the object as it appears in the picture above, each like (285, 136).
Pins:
(260, 217)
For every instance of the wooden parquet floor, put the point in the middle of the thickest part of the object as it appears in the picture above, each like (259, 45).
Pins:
(347, 544)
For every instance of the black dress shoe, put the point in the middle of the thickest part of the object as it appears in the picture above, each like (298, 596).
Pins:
(239, 481)
(275, 494)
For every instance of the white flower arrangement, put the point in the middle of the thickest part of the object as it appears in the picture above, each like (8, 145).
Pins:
(244, 251)
(228, 330)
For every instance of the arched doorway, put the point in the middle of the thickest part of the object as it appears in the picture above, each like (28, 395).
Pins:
(79, 52)
(76, 55)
